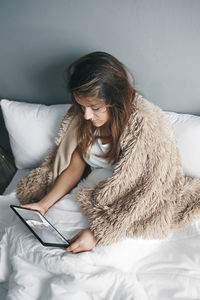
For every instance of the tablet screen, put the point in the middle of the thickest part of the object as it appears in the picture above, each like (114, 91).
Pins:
(40, 226)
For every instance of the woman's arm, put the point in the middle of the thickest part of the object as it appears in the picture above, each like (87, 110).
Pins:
(64, 183)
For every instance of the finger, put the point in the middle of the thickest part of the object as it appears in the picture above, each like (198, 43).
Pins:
(73, 246)
(80, 250)
(77, 250)
(26, 205)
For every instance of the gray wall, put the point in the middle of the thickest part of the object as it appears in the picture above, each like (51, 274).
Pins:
(159, 40)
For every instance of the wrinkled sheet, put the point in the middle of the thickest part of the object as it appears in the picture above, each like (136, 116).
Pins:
(130, 269)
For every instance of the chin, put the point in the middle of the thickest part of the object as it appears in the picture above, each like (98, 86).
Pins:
(97, 124)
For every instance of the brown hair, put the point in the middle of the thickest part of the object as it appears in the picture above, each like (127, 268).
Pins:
(101, 75)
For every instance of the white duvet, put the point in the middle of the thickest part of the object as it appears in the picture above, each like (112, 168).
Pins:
(130, 269)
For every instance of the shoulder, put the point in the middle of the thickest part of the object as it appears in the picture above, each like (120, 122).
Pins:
(150, 114)
(147, 109)
(147, 120)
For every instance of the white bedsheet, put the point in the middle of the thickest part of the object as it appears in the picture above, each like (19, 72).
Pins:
(130, 269)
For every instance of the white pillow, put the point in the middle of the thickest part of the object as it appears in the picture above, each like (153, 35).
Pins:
(32, 129)
(187, 132)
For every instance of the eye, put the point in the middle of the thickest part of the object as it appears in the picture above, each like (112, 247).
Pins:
(95, 108)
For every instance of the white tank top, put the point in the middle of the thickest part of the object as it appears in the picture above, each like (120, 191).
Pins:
(95, 161)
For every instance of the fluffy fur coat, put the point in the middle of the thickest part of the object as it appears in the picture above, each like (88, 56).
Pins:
(147, 196)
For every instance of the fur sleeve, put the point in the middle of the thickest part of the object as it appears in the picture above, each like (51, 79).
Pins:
(145, 172)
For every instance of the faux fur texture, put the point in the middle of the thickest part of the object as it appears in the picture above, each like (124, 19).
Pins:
(147, 196)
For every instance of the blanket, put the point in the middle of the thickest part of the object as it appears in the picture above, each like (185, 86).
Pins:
(148, 194)
(131, 269)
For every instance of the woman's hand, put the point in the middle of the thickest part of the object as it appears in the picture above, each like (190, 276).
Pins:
(83, 241)
(36, 206)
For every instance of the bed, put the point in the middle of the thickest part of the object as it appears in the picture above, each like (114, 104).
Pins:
(130, 269)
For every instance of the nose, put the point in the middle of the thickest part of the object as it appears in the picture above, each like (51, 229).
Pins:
(88, 114)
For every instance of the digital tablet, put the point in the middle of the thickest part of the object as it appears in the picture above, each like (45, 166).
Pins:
(44, 231)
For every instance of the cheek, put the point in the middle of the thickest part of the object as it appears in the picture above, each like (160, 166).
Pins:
(105, 117)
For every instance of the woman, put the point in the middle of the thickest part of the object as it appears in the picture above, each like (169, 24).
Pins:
(110, 126)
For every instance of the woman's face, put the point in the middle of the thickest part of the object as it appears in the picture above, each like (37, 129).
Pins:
(94, 109)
